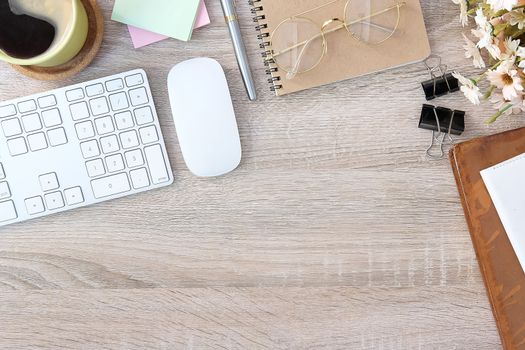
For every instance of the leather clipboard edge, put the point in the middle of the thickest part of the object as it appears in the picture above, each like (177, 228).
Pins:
(506, 342)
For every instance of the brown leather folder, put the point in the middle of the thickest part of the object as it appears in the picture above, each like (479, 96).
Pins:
(501, 270)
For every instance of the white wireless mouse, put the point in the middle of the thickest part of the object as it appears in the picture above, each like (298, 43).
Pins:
(204, 117)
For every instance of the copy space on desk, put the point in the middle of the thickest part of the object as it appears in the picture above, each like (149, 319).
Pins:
(167, 17)
(141, 37)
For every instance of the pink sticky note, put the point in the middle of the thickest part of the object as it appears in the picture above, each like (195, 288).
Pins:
(141, 37)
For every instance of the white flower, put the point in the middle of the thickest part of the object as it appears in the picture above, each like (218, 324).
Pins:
(498, 5)
(487, 41)
(506, 78)
(463, 8)
(499, 103)
(511, 49)
(494, 49)
(469, 88)
(472, 51)
(517, 17)
(481, 19)
(521, 54)
(484, 33)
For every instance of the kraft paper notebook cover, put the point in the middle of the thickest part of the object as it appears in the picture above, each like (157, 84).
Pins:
(504, 278)
(346, 57)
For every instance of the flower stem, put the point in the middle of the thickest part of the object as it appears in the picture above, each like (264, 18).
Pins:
(499, 113)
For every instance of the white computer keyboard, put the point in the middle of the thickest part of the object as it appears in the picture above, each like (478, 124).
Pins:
(79, 145)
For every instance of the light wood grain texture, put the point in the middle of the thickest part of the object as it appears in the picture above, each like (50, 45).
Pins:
(334, 233)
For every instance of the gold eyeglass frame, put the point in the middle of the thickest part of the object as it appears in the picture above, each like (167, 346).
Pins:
(323, 32)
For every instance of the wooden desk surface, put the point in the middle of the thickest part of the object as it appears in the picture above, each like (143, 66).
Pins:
(334, 233)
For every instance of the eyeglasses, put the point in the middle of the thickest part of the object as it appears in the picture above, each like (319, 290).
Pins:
(298, 44)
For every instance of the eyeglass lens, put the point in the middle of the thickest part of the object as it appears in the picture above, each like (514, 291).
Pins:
(298, 43)
(372, 21)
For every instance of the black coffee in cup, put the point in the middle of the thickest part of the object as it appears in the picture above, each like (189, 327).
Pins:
(23, 36)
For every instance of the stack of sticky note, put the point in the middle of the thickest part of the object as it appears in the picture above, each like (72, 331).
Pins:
(150, 21)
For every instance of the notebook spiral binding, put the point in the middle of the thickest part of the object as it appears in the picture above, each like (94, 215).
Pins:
(261, 28)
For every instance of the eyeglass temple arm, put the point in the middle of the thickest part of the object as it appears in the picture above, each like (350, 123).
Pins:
(340, 27)
(317, 8)
(295, 68)
(379, 27)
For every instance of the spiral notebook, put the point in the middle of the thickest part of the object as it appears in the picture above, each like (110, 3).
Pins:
(346, 57)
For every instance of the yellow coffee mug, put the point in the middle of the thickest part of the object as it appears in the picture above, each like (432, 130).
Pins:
(69, 44)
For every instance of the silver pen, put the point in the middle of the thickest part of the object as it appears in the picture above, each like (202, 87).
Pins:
(230, 14)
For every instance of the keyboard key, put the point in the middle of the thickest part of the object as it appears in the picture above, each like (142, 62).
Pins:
(90, 149)
(115, 163)
(31, 122)
(79, 111)
(114, 85)
(74, 95)
(138, 96)
(11, 127)
(119, 141)
(47, 101)
(129, 139)
(104, 125)
(143, 115)
(27, 106)
(74, 196)
(54, 200)
(118, 101)
(17, 146)
(109, 144)
(124, 120)
(99, 106)
(95, 168)
(5, 192)
(149, 134)
(135, 79)
(157, 166)
(139, 178)
(134, 158)
(57, 137)
(48, 182)
(35, 205)
(7, 111)
(51, 117)
(85, 130)
(37, 142)
(7, 211)
(94, 90)
(111, 185)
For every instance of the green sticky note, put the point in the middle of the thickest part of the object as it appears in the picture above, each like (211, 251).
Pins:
(173, 18)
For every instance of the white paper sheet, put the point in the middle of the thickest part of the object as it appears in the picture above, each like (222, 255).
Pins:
(506, 185)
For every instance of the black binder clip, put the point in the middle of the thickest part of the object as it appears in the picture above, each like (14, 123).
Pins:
(444, 123)
(441, 82)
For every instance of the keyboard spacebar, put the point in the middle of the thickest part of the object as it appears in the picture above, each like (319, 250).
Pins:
(111, 185)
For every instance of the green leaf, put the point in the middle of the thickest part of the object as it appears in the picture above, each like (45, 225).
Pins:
(498, 28)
